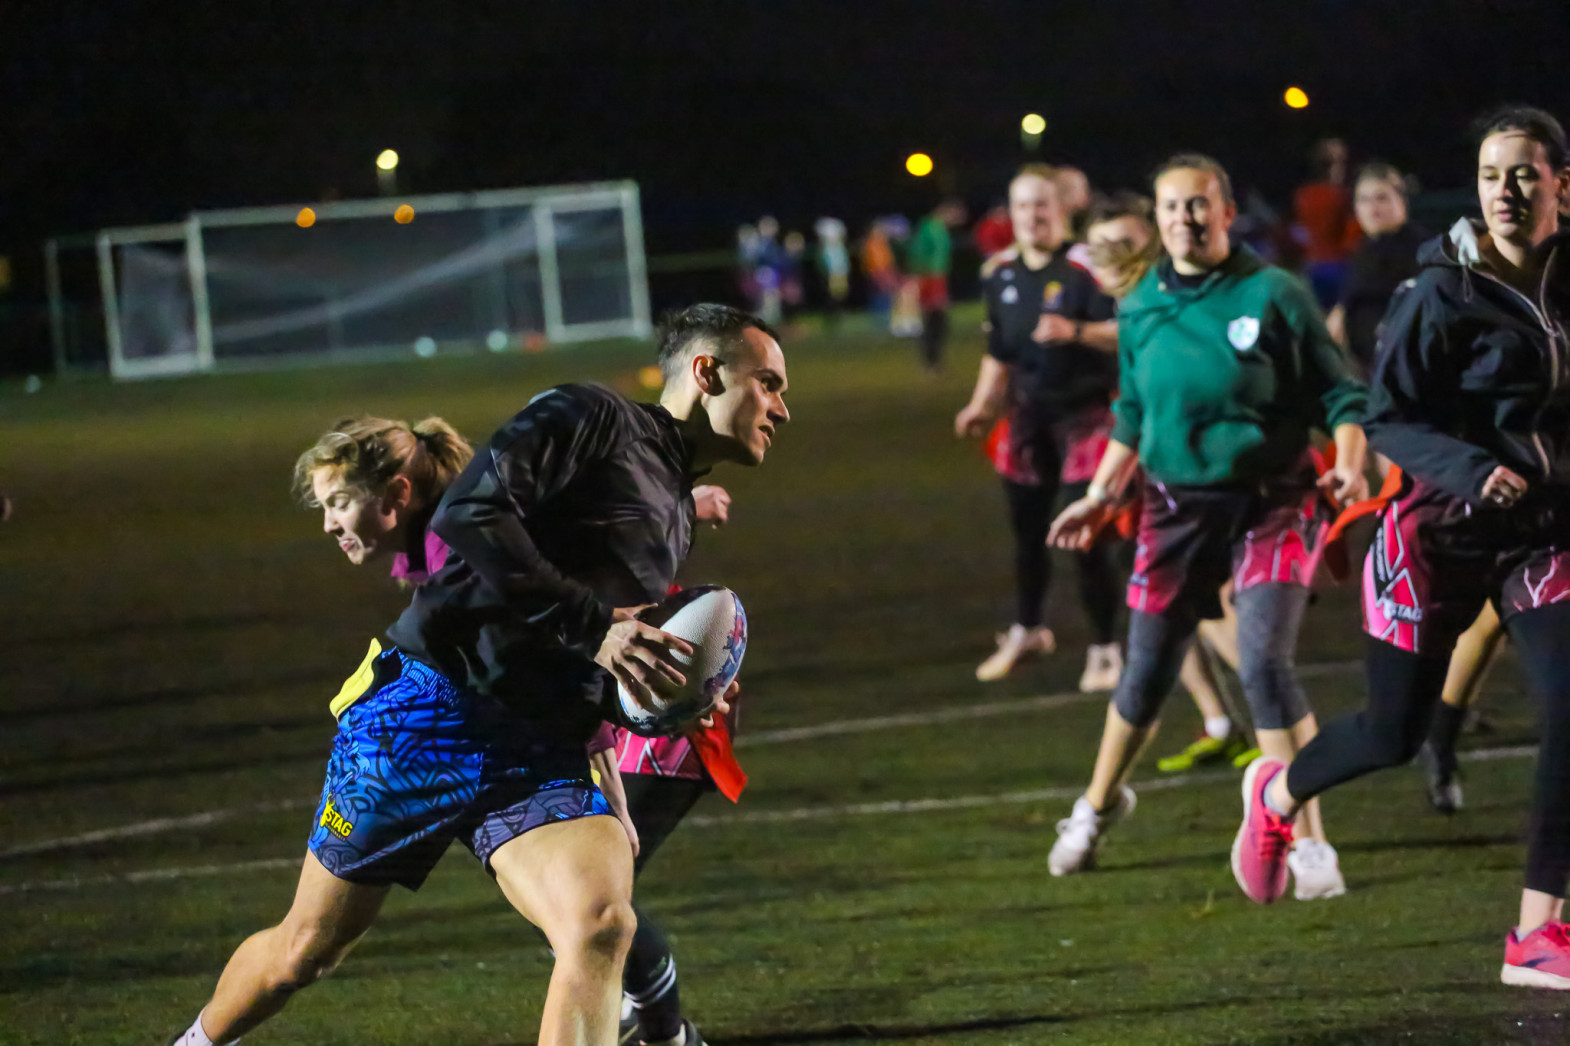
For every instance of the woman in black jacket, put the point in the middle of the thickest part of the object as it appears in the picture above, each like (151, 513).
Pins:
(1471, 397)
(1384, 259)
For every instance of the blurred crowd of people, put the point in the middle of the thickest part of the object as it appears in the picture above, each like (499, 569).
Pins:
(1346, 234)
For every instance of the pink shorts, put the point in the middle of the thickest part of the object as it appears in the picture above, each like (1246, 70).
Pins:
(1192, 540)
(1078, 441)
(1435, 560)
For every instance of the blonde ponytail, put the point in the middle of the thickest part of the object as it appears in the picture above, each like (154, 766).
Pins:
(371, 451)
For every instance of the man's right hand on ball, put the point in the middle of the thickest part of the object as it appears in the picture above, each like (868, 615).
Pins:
(640, 656)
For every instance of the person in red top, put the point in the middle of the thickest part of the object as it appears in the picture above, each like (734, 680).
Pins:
(995, 232)
(1322, 210)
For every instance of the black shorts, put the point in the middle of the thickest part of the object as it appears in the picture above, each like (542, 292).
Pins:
(657, 805)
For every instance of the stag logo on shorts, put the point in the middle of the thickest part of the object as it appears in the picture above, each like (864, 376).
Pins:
(1393, 609)
(1243, 332)
(1010, 294)
(1399, 611)
(332, 819)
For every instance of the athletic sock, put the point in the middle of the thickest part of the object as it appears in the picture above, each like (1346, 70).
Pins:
(195, 1036)
(1444, 732)
(650, 978)
(659, 1006)
(1218, 727)
(1271, 806)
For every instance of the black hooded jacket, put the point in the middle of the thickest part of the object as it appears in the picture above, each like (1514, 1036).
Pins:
(1471, 374)
(580, 504)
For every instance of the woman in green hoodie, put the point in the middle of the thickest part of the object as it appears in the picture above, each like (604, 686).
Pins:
(1225, 368)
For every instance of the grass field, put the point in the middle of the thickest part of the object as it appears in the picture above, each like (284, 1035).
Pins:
(173, 627)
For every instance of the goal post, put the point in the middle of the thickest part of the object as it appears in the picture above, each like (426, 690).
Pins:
(285, 286)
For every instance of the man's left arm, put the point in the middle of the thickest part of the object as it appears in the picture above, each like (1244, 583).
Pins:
(481, 516)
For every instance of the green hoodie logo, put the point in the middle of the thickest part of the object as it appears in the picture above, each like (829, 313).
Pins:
(1243, 332)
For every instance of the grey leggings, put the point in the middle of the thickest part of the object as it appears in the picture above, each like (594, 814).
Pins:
(1268, 618)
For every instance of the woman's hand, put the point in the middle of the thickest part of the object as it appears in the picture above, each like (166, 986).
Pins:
(1076, 527)
(1503, 488)
(722, 706)
(973, 421)
(713, 504)
(1344, 485)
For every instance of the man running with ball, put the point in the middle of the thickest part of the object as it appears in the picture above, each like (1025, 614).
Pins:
(469, 721)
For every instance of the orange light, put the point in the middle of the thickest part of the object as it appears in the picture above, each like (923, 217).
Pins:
(1296, 98)
(919, 164)
(306, 218)
(404, 214)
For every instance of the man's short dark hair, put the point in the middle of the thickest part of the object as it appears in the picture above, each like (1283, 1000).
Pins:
(718, 327)
(1536, 124)
(1196, 162)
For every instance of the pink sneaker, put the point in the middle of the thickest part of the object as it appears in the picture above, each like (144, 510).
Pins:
(1541, 959)
(1259, 853)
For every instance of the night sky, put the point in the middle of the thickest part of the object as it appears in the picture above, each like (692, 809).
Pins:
(120, 113)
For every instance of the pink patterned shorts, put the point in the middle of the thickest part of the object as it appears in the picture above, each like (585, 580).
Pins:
(1435, 560)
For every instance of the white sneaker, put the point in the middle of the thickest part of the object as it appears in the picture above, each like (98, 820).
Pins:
(1014, 646)
(1080, 831)
(1316, 872)
(1103, 668)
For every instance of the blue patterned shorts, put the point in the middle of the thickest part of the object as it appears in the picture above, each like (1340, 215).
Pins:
(419, 762)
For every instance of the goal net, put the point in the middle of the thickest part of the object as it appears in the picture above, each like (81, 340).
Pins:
(372, 279)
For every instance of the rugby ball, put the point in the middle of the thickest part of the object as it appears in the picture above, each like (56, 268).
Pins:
(711, 618)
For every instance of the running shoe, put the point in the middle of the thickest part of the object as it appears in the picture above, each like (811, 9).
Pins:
(1014, 646)
(1316, 872)
(689, 1035)
(1204, 751)
(1248, 755)
(1443, 779)
(1259, 853)
(1081, 831)
(1103, 668)
(1541, 959)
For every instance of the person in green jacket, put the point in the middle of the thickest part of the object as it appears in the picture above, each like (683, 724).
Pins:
(929, 259)
(1225, 368)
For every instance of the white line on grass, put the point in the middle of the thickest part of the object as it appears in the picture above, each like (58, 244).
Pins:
(157, 826)
(806, 813)
(983, 710)
(832, 728)
(958, 802)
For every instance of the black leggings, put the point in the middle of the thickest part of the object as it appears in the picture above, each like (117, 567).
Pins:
(657, 805)
(1030, 515)
(1403, 689)
(934, 335)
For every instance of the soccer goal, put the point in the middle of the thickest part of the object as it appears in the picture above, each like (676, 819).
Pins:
(372, 279)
